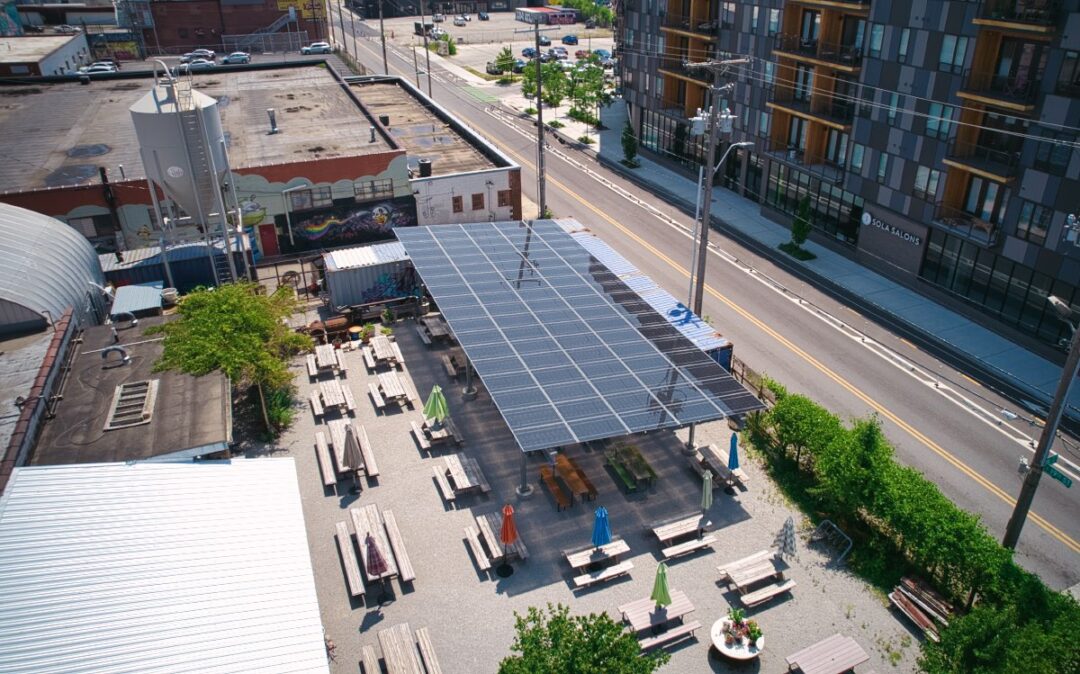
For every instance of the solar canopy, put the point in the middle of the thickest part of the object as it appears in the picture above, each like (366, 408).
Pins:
(567, 351)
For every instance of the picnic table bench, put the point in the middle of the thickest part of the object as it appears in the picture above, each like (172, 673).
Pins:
(745, 572)
(717, 463)
(472, 535)
(427, 651)
(397, 544)
(643, 614)
(465, 474)
(370, 660)
(322, 452)
(316, 405)
(833, 655)
(630, 465)
(366, 520)
(348, 560)
(367, 453)
(548, 478)
(588, 557)
(488, 524)
(312, 366)
(571, 477)
(369, 358)
(393, 389)
(443, 484)
(399, 650)
(590, 578)
(446, 432)
(679, 526)
(423, 335)
(421, 437)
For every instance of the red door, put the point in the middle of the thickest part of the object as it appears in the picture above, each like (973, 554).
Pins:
(268, 240)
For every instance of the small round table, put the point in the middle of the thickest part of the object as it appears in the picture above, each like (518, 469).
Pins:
(736, 651)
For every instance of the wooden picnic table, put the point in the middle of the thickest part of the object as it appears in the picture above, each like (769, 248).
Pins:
(631, 458)
(684, 526)
(446, 432)
(643, 614)
(743, 577)
(436, 327)
(332, 394)
(366, 519)
(384, 349)
(609, 552)
(399, 650)
(489, 524)
(326, 357)
(337, 439)
(570, 477)
(392, 388)
(833, 655)
(717, 462)
(458, 476)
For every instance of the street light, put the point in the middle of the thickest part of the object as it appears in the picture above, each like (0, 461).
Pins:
(1053, 418)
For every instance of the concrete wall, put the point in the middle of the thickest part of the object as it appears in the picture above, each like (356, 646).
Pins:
(69, 57)
(435, 197)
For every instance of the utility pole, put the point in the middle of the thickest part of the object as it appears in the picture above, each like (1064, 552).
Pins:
(382, 37)
(427, 52)
(416, 66)
(541, 179)
(352, 29)
(341, 26)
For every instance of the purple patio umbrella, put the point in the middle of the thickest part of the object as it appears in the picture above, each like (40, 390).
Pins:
(376, 563)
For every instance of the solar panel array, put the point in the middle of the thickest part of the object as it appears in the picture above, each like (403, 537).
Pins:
(567, 351)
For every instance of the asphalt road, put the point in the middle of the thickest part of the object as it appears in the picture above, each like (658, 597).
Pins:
(941, 423)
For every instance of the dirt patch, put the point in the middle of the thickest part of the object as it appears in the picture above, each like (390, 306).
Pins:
(27, 91)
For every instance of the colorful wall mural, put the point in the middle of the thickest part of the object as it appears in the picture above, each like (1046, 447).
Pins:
(10, 25)
(345, 225)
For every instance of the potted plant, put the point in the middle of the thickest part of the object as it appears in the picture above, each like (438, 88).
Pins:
(387, 331)
(387, 316)
(367, 332)
(753, 630)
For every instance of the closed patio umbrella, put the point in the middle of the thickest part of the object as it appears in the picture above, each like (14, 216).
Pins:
(661, 593)
(351, 456)
(706, 491)
(508, 535)
(785, 540)
(733, 453)
(601, 532)
(376, 563)
(435, 408)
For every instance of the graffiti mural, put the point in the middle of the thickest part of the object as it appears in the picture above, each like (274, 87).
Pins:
(345, 225)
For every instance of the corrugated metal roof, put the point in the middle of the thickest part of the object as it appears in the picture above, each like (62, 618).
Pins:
(157, 567)
(365, 256)
(135, 298)
(150, 255)
(45, 265)
(703, 335)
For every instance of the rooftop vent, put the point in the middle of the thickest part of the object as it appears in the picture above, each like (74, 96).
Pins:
(133, 404)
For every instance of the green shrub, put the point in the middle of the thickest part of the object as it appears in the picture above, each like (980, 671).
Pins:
(555, 124)
(530, 111)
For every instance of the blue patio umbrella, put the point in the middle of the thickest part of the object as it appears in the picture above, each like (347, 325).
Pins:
(601, 532)
(733, 453)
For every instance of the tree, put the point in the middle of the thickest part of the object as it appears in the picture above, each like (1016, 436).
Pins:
(629, 144)
(554, 641)
(528, 81)
(556, 84)
(801, 423)
(234, 330)
(505, 61)
(800, 226)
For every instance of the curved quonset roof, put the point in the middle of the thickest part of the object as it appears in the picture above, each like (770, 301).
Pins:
(46, 266)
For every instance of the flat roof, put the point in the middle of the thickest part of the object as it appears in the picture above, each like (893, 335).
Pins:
(21, 359)
(191, 416)
(423, 131)
(32, 48)
(157, 567)
(66, 130)
(568, 351)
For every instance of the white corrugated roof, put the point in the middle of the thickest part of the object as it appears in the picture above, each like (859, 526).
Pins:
(365, 256)
(157, 567)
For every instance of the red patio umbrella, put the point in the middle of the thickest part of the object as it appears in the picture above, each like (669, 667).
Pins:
(507, 535)
(376, 563)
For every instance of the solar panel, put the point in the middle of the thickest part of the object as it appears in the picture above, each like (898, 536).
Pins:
(568, 352)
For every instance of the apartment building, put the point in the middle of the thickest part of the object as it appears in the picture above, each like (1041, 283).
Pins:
(933, 140)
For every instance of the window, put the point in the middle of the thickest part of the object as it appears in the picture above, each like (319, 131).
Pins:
(373, 189)
(905, 38)
(316, 197)
(926, 183)
(857, 152)
(504, 197)
(877, 36)
(1033, 223)
(804, 82)
(953, 51)
(809, 27)
(770, 73)
(764, 119)
(796, 137)
(939, 121)
(1068, 82)
(727, 15)
(894, 103)
(1053, 152)
(754, 17)
(985, 200)
(478, 202)
(883, 167)
(774, 21)
(836, 148)
(457, 205)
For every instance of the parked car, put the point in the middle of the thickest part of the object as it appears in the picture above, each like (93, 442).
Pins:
(459, 21)
(67, 29)
(519, 65)
(581, 54)
(483, 16)
(237, 57)
(95, 68)
(438, 18)
(316, 48)
(602, 53)
(109, 63)
(467, 17)
(437, 33)
(545, 41)
(607, 64)
(529, 52)
(195, 65)
(569, 39)
(493, 68)
(559, 53)
(547, 57)
(590, 24)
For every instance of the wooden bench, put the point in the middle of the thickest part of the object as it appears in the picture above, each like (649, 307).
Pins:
(370, 660)
(688, 546)
(350, 402)
(371, 469)
(473, 537)
(376, 397)
(448, 365)
(672, 635)
(548, 477)
(605, 574)
(326, 468)
(427, 651)
(348, 559)
(397, 354)
(424, 337)
(481, 479)
(397, 544)
(421, 438)
(369, 358)
(312, 366)
(726, 569)
(766, 593)
(459, 437)
(444, 485)
(587, 482)
(316, 404)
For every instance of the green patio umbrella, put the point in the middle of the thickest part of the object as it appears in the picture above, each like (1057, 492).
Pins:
(660, 592)
(435, 407)
(706, 491)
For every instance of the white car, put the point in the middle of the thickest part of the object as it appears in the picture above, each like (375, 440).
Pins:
(237, 57)
(196, 64)
(317, 48)
(459, 21)
(99, 67)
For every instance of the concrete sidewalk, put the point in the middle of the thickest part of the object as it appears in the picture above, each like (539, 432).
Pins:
(1017, 372)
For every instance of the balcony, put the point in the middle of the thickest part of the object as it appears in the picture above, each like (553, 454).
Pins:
(1038, 15)
(849, 56)
(965, 225)
(838, 114)
(689, 24)
(791, 154)
(999, 164)
(675, 66)
(853, 4)
(1015, 93)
